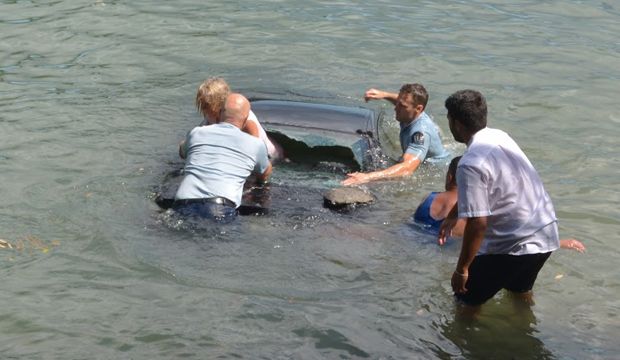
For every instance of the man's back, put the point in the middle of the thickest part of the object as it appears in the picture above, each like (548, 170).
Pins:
(496, 179)
(219, 159)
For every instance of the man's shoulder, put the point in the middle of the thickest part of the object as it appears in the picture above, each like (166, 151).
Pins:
(250, 144)
(424, 123)
(491, 135)
(487, 144)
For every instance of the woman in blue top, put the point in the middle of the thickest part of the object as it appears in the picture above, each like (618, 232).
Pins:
(436, 206)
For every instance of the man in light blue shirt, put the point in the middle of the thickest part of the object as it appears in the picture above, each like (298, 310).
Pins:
(219, 159)
(419, 136)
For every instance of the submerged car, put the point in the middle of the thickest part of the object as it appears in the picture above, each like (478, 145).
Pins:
(312, 132)
(329, 138)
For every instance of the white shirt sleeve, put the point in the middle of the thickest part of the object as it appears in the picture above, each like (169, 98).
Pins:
(473, 192)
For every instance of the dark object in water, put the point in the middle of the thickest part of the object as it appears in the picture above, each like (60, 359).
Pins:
(346, 198)
(312, 133)
(332, 167)
(329, 138)
(165, 196)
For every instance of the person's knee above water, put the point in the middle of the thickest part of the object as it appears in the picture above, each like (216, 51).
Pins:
(220, 158)
(508, 214)
(210, 98)
(420, 137)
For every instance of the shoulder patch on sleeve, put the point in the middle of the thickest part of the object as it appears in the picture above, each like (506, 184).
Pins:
(418, 138)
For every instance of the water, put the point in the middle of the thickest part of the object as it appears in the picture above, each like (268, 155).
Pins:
(94, 97)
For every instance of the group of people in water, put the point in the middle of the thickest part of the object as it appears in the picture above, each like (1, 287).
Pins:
(494, 198)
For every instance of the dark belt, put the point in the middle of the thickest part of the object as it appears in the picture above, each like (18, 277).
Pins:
(212, 200)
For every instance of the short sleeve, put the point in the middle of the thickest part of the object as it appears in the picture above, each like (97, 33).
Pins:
(473, 195)
(419, 142)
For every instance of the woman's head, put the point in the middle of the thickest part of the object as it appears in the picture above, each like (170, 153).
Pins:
(211, 96)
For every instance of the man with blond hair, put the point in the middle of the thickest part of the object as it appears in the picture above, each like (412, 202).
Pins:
(219, 159)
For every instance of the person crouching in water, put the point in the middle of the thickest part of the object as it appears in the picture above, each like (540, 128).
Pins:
(218, 160)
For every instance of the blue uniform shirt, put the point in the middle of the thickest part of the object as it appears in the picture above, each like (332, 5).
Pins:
(422, 138)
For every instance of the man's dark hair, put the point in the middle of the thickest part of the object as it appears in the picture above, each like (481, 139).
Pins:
(469, 108)
(418, 93)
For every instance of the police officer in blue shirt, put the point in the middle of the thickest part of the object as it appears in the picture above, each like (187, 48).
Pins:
(419, 136)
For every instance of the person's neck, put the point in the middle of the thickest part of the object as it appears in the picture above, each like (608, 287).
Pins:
(470, 136)
(209, 120)
(411, 121)
(237, 124)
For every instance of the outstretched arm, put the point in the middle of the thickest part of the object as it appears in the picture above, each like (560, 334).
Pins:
(374, 94)
(409, 164)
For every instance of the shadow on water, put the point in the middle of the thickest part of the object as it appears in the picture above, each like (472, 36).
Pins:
(331, 339)
(505, 329)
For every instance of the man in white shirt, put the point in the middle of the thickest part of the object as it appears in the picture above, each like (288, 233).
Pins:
(511, 228)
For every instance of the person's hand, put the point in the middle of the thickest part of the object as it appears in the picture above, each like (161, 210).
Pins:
(458, 282)
(572, 244)
(373, 94)
(445, 230)
(355, 178)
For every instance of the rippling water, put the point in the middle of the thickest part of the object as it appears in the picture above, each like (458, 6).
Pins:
(94, 97)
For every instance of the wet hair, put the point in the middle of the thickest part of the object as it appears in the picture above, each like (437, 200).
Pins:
(451, 174)
(419, 95)
(211, 95)
(469, 108)
(453, 164)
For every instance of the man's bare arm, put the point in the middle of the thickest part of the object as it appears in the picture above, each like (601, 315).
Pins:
(405, 168)
(374, 94)
(472, 239)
